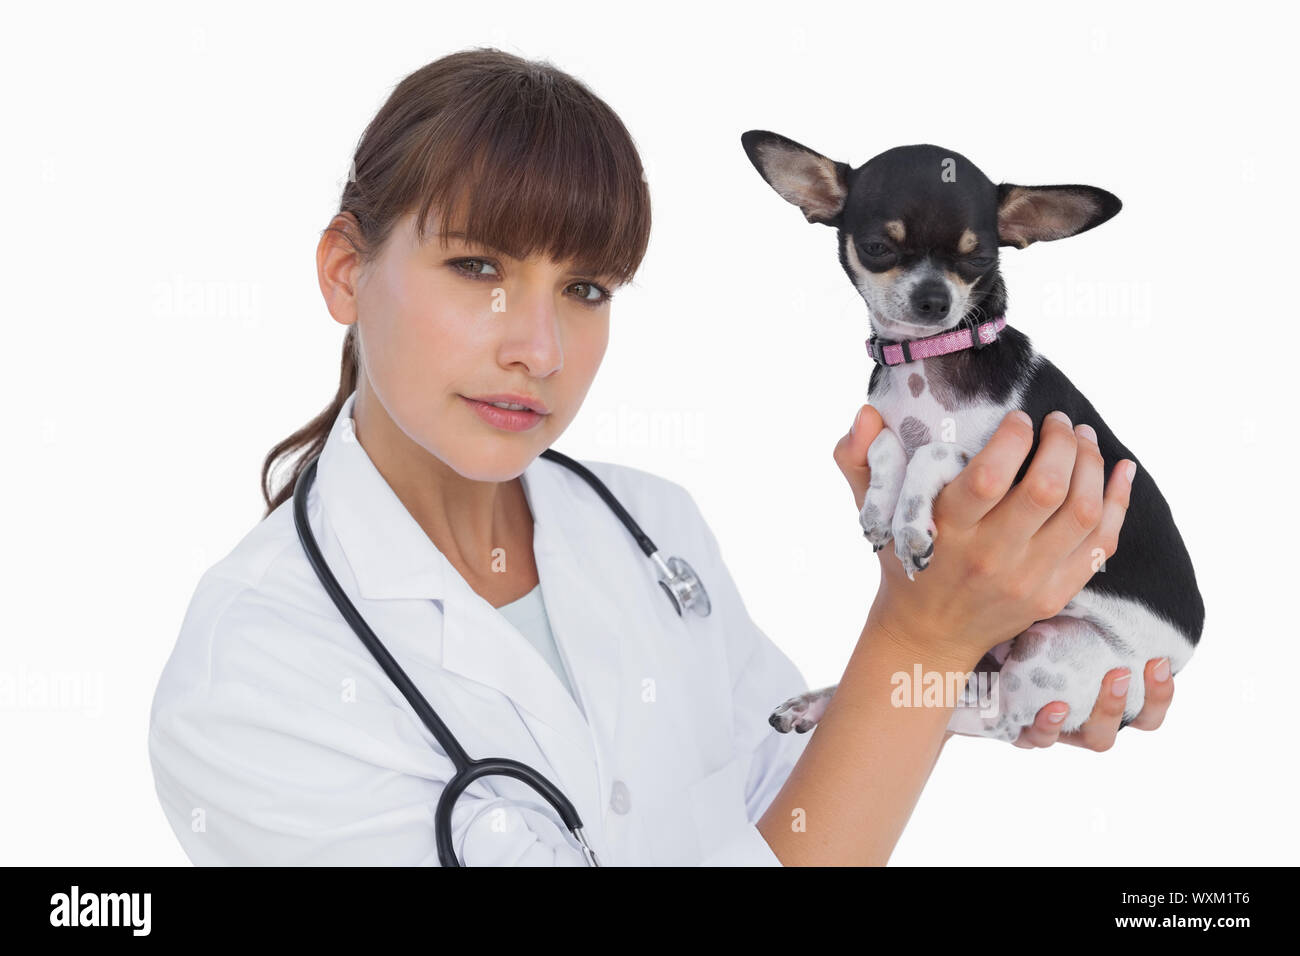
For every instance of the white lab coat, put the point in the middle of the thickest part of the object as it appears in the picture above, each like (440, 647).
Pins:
(276, 738)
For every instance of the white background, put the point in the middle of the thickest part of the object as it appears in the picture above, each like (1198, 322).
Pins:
(168, 172)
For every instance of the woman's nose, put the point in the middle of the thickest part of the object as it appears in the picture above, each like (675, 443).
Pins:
(532, 333)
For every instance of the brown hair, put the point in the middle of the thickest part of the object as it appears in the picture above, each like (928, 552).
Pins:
(514, 153)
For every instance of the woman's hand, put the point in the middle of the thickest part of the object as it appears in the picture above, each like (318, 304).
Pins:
(1098, 732)
(1004, 557)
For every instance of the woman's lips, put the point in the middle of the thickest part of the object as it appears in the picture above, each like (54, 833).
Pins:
(504, 418)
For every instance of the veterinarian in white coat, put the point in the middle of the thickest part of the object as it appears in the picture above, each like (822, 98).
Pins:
(276, 738)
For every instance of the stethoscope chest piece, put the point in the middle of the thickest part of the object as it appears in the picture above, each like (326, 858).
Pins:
(677, 578)
(682, 585)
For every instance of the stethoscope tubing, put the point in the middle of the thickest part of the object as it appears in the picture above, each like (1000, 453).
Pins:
(607, 496)
(468, 769)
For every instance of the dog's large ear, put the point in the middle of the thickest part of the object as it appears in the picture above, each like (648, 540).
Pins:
(1041, 213)
(817, 185)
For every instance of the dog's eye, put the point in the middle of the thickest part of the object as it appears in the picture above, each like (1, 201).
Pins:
(875, 249)
(980, 262)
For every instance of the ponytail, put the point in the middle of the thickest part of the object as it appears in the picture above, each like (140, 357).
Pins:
(310, 439)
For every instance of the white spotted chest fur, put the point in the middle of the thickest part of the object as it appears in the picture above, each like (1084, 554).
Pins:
(907, 397)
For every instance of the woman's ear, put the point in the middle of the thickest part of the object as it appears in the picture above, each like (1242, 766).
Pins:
(338, 264)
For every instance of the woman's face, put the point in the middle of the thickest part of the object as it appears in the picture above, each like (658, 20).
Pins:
(440, 326)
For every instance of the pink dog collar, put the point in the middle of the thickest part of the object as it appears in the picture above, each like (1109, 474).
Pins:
(887, 352)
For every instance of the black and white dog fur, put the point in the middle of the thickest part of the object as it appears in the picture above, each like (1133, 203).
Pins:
(918, 231)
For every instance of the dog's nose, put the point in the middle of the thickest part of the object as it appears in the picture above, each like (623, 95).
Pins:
(930, 300)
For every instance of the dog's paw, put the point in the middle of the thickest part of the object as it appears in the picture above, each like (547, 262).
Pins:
(914, 548)
(914, 535)
(877, 522)
(801, 713)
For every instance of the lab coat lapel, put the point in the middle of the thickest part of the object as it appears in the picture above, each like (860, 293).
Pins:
(481, 645)
(572, 546)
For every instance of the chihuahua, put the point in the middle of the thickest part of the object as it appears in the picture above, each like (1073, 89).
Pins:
(918, 230)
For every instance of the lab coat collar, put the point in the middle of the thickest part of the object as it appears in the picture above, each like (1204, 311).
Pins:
(387, 550)
(391, 557)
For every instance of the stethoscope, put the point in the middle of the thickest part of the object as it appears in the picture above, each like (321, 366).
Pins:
(676, 577)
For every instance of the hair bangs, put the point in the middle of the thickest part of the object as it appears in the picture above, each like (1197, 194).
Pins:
(528, 173)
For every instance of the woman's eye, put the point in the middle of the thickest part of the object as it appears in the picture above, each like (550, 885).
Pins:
(876, 249)
(602, 295)
(589, 292)
(461, 266)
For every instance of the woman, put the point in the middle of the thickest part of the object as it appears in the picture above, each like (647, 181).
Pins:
(494, 206)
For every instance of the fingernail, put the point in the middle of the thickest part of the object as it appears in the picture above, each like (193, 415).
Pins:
(1021, 414)
(1058, 716)
(1120, 687)
(1130, 469)
(1060, 416)
(1087, 432)
(1161, 671)
(854, 427)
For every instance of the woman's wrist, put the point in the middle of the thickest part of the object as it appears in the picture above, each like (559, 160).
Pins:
(929, 644)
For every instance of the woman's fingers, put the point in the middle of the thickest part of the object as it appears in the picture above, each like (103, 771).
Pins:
(985, 479)
(851, 450)
(1046, 728)
(1160, 691)
(1081, 512)
(1098, 732)
(1045, 485)
(1088, 558)
(1102, 728)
